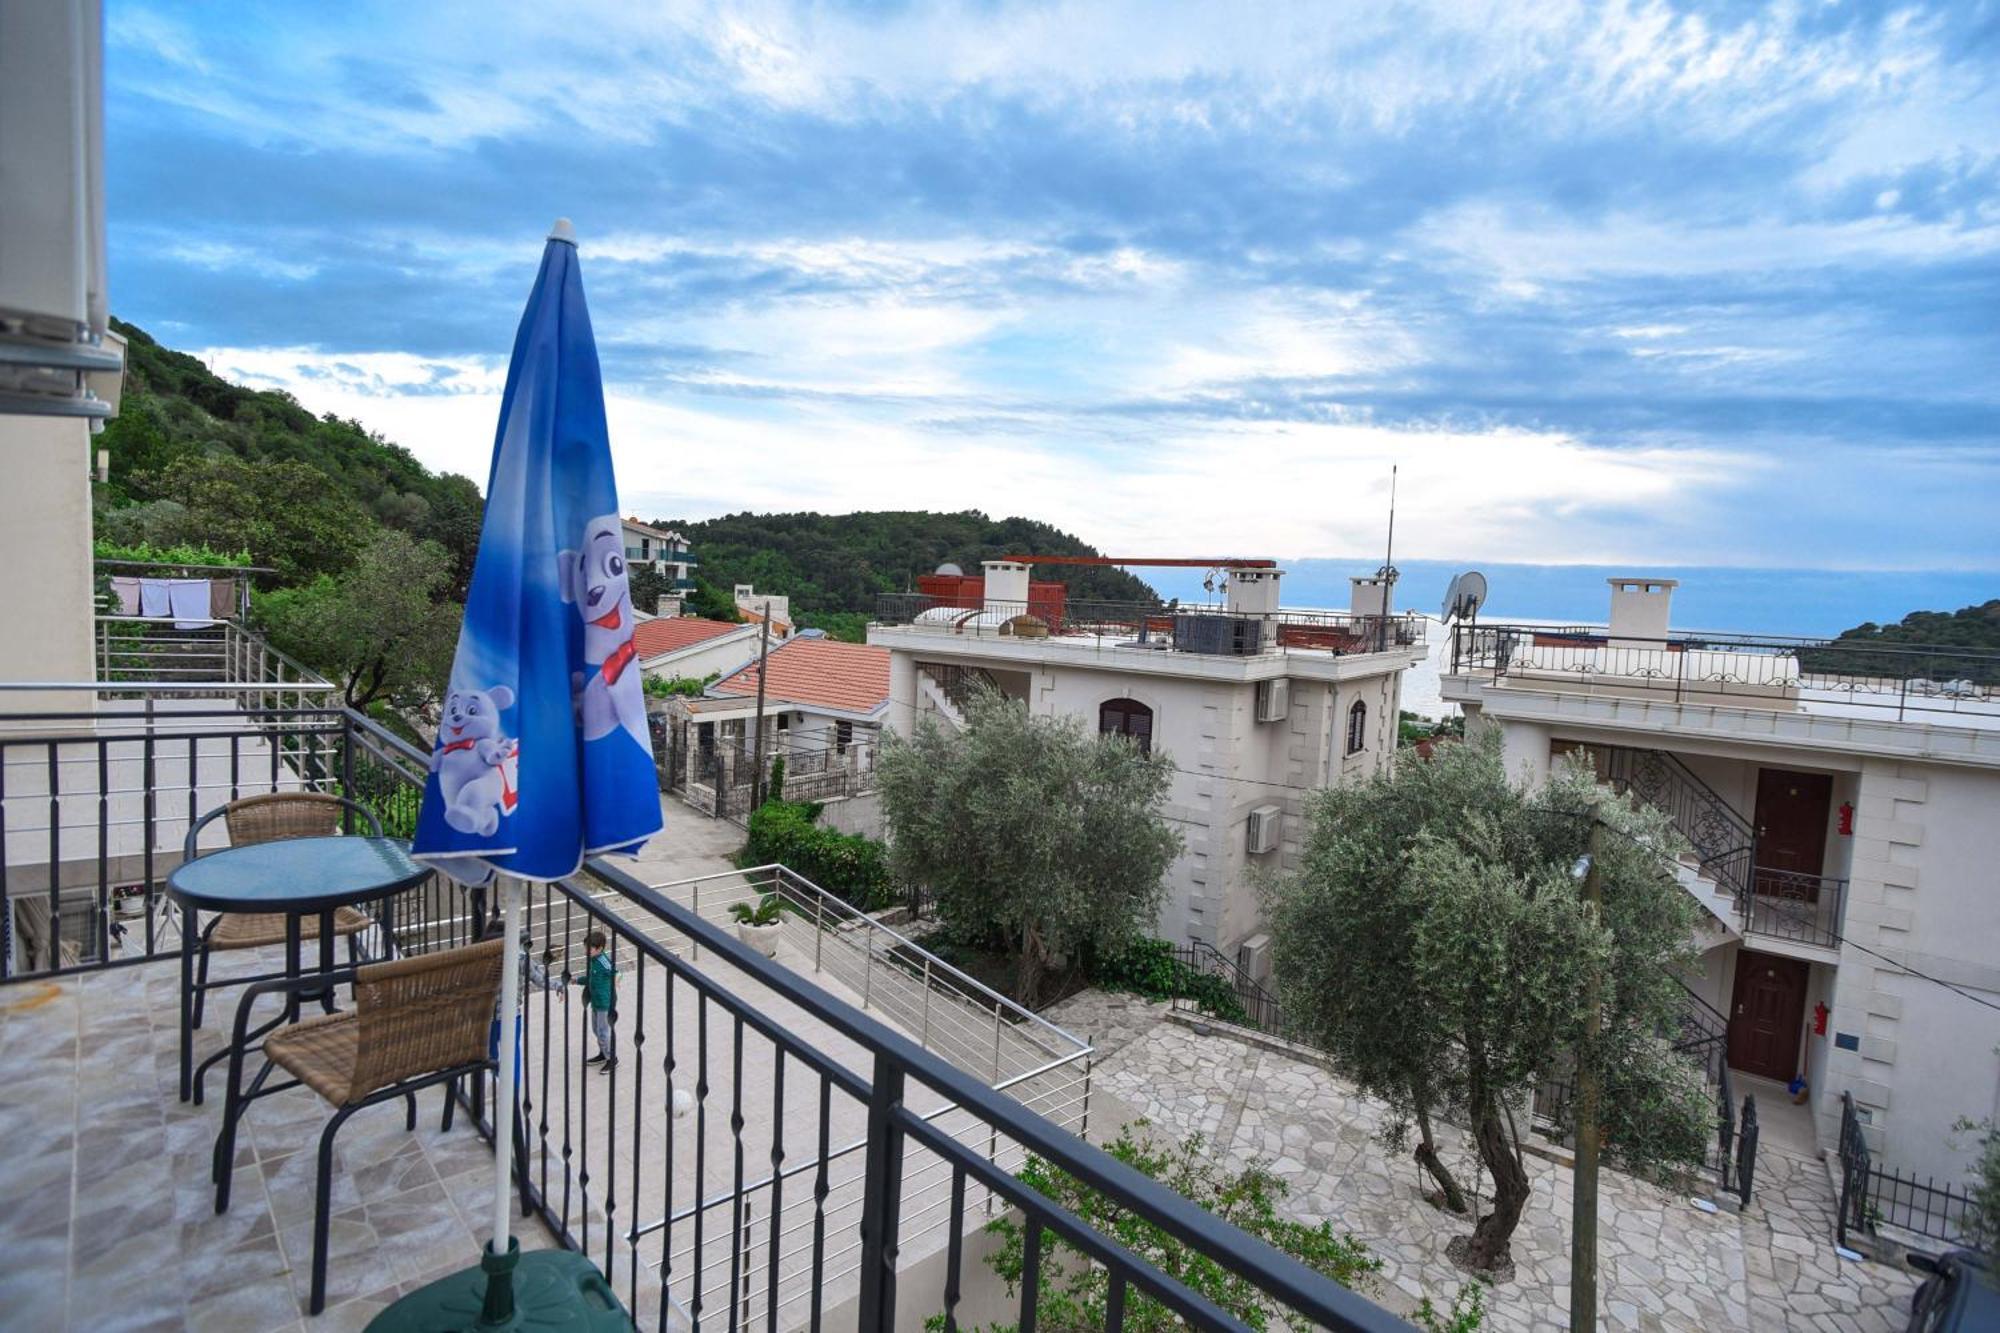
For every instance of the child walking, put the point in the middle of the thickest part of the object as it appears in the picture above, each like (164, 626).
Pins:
(600, 989)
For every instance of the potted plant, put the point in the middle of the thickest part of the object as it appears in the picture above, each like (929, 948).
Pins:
(759, 926)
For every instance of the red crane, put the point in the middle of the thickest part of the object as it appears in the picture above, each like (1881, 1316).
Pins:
(1158, 563)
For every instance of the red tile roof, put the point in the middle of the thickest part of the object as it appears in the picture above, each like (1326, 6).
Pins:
(826, 673)
(668, 633)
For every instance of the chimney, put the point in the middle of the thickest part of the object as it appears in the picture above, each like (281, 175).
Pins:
(1368, 596)
(1006, 587)
(1639, 611)
(1252, 592)
(668, 607)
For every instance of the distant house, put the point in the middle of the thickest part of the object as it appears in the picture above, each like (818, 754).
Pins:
(824, 702)
(668, 647)
(663, 551)
(756, 605)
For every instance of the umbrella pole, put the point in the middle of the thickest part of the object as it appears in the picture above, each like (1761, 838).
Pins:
(503, 1254)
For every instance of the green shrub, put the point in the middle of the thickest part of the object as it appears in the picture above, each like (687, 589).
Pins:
(1148, 967)
(847, 864)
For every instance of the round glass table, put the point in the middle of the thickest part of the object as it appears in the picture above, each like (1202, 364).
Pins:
(298, 877)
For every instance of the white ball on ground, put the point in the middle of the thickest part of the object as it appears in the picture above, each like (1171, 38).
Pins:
(683, 1102)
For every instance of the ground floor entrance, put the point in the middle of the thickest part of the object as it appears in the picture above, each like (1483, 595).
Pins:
(1767, 1014)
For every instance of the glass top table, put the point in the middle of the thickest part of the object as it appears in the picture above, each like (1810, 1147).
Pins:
(295, 877)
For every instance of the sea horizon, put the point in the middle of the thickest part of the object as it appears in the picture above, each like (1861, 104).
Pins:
(1742, 599)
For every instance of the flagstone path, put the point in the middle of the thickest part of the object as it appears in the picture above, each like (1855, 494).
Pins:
(1664, 1264)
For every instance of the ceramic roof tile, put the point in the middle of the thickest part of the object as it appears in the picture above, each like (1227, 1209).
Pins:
(851, 677)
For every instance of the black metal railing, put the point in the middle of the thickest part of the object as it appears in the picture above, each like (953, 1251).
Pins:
(1759, 670)
(1788, 905)
(1873, 1195)
(1711, 824)
(1211, 629)
(1231, 994)
(827, 1167)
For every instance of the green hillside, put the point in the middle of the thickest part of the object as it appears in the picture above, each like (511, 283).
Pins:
(1976, 628)
(834, 565)
(199, 461)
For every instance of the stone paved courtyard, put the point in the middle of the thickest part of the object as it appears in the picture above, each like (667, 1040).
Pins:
(1664, 1264)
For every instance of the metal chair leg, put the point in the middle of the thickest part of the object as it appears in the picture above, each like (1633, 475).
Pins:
(450, 1104)
(201, 982)
(323, 1205)
(410, 1119)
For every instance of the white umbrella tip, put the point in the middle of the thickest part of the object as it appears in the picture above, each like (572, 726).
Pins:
(562, 231)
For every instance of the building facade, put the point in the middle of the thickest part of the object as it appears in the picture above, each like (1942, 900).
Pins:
(1256, 707)
(1841, 802)
(663, 551)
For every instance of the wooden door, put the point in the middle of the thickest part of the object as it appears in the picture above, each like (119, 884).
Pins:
(1767, 1010)
(1792, 812)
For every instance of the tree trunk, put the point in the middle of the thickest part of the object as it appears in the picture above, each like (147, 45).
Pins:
(1427, 1157)
(1488, 1248)
(1028, 977)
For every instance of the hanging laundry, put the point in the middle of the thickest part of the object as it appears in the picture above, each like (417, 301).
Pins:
(153, 598)
(127, 592)
(189, 600)
(222, 599)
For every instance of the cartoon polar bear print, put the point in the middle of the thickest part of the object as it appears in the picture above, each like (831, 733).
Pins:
(475, 764)
(594, 578)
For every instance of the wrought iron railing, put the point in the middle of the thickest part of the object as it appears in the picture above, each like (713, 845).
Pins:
(829, 1166)
(1209, 629)
(1788, 905)
(1873, 1195)
(1907, 680)
(1241, 999)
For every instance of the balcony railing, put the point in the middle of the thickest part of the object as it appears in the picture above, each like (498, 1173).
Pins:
(1195, 629)
(1789, 905)
(830, 1168)
(1903, 681)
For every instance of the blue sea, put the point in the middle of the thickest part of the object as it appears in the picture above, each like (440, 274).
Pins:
(1806, 602)
(1714, 597)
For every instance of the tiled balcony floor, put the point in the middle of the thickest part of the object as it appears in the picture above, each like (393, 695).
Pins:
(106, 1212)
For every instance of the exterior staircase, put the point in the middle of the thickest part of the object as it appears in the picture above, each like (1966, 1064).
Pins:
(1717, 871)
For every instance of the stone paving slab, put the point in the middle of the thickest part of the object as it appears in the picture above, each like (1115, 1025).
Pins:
(1664, 1264)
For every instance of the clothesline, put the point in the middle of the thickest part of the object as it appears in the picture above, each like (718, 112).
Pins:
(190, 603)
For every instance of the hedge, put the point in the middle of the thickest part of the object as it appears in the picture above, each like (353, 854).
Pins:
(1150, 968)
(847, 864)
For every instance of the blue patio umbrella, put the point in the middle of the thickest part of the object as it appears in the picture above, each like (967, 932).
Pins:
(542, 755)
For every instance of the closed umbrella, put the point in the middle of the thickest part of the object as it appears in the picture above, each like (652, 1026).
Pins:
(542, 755)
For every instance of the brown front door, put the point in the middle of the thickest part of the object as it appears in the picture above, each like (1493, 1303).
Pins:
(1765, 1016)
(1792, 811)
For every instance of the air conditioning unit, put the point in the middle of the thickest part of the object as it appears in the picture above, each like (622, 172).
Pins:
(1263, 830)
(1253, 958)
(1274, 700)
(1227, 636)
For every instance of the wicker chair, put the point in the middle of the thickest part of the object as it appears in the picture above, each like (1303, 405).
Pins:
(272, 818)
(416, 1022)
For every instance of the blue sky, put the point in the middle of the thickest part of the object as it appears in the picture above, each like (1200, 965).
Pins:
(1638, 282)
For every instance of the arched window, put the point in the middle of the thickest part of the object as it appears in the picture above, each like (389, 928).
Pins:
(1357, 728)
(1127, 717)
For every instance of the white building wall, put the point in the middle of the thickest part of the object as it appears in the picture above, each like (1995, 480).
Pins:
(45, 544)
(1923, 893)
(720, 655)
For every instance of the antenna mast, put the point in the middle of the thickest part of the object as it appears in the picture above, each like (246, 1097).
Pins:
(1389, 565)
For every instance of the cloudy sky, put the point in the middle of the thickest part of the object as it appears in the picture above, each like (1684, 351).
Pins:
(1609, 281)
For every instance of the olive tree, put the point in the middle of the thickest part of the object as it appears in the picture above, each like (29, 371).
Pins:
(1030, 831)
(1435, 942)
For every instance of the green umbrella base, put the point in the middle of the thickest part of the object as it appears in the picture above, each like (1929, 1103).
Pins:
(556, 1290)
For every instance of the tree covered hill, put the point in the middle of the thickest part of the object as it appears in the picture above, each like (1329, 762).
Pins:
(836, 564)
(197, 459)
(1970, 627)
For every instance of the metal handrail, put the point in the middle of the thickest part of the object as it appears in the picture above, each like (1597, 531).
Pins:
(897, 1057)
(964, 980)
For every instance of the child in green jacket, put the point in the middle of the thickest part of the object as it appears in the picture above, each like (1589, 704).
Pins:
(600, 989)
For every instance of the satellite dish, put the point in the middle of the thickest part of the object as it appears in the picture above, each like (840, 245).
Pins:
(1465, 596)
(949, 568)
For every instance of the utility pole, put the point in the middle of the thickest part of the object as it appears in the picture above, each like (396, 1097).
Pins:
(1583, 1204)
(757, 745)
